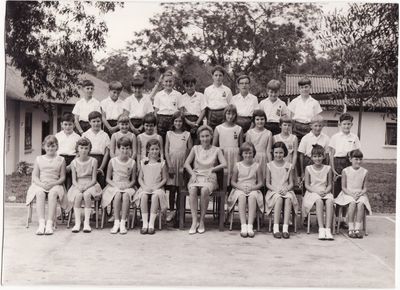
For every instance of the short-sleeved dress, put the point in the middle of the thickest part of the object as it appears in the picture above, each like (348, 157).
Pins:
(49, 171)
(84, 171)
(289, 142)
(318, 180)
(118, 135)
(204, 160)
(229, 144)
(152, 174)
(122, 173)
(247, 175)
(178, 144)
(144, 138)
(355, 180)
(260, 141)
(279, 178)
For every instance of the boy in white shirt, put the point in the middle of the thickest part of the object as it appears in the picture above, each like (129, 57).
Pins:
(111, 108)
(85, 106)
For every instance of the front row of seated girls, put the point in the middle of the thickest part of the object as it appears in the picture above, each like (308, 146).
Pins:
(202, 163)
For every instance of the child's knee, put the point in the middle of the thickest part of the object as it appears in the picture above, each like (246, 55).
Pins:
(125, 197)
(41, 195)
(242, 198)
(205, 191)
(319, 202)
(360, 205)
(53, 194)
(87, 196)
(193, 191)
(117, 195)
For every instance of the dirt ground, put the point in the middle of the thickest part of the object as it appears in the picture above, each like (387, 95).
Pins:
(173, 258)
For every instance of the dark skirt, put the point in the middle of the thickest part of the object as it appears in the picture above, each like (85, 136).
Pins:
(340, 164)
(164, 124)
(84, 125)
(101, 179)
(192, 130)
(244, 122)
(112, 123)
(301, 129)
(215, 117)
(136, 122)
(274, 127)
(68, 177)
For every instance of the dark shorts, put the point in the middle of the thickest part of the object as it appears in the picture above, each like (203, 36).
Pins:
(164, 124)
(68, 177)
(101, 179)
(84, 125)
(340, 164)
(215, 117)
(274, 127)
(244, 122)
(301, 129)
(112, 123)
(192, 130)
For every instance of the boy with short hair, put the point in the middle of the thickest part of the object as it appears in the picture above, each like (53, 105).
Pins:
(100, 145)
(303, 108)
(273, 107)
(217, 97)
(112, 107)
(84, 106)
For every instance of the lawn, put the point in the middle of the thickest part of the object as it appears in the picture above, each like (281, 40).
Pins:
(381, 187)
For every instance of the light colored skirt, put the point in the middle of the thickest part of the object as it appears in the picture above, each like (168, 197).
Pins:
(262, 160)
(344, 199)
(207, 181)
(35, 189)
(234, 196)
(231, 155)
(177, 161)
(109, 193)
(309, 200)
(94, 191)
(160, 193)
(272, 197)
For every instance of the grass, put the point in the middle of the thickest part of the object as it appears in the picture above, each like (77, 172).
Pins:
(381, 187)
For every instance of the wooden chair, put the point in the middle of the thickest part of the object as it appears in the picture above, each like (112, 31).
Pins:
(258, 218)
(29, 215)
(96, 209)
(340, 217)
(136, 209)
(314, 212)
(220, 194)
(294, 220)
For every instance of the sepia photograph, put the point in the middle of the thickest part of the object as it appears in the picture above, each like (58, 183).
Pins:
(200, 144)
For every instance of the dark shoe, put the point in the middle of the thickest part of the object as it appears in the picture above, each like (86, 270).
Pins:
(143, 231)
(344, 225)
(305, 222)
(277, 235)
(285, 235)
(358, 234)
(352, 235)
(151, 231)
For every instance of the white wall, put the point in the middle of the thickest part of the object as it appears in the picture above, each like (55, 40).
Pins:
(373, 133)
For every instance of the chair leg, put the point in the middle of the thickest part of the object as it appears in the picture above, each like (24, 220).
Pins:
(231, 218)
(159, 220)
(258, 221)
(308, 222)
(29, 215)
(221, 207)
(295, 222)
(133, 217)
(339, 219)
(103, 215)
(69, 218)
(96, 205)
(270, 223)
(182, 208)
(365, 224)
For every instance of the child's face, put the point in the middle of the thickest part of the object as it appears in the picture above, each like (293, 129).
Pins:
(356, 162)
(286, 128)
(83, 150)
(229, 116)
(50, 148)
(137, 90)
(88, 91)
(114, 94)
(123, 126)
(168, 83)
(95, 124)
(259, 122)
(317, 158)
(244, 86)
(316, 128)
(273, 95)
(205, 138)
(305, 90)
(149, 128)
(218, 77)
(248, 155)
(124, 151)
(189, 88)
(279, 154)
(154, 151)
(346, 126)
(67, 127)
(178, 123)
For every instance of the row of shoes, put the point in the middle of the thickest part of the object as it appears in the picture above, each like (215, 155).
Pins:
(278, 235)
(355, 234)
(45, 228)
(247, 231)
(325, 234)
(119, 226)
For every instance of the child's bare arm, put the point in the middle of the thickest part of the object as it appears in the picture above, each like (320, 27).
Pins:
(268, 182)
(260, 181)
(216, 137)
(234, 179)
(134, 148)
(269, 146)
(221, 160)
(105, 160)
(344, 184)
(110, 170)
(189, 144)
(240, 138)
(307, 181)
(77, 125)
(35, 176)
(290, 185)
(63, 171)
(113, 145)
(93, 181)
(329, 182)
(167, 157)
(162, 147)
(189, 161)
(295, 147)
(164, 174)
(301, 160)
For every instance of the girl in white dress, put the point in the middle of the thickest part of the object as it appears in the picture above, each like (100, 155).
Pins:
(229, 137)
(262, 140)
(123, 124)
(152, 178)
(84, 184)
(280, 189)
(177, 147)
(208, 159)
(318, 183)
(354, 193)
(246, 182)
(121, 177)
(288, 138)
(48, 176)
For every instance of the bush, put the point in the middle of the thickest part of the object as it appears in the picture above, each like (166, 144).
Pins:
(24, 168)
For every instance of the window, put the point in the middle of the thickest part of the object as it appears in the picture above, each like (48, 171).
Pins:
(8, 135)
(332, 123)
(28, 131)
(391, 134)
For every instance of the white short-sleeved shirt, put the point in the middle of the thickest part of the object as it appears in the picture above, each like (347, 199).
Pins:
(217, 97)
(83, 108)
(245, 106)
(138, 108)
(307, 142)
(193, 104)
(100, 141)
(274, 110)
(344, 143)
(111, 108)
(67, 143)
(167, 104)
(304, 111)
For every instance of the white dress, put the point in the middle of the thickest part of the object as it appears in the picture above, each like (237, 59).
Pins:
(178, 144)
(260, 141)
(289, 142)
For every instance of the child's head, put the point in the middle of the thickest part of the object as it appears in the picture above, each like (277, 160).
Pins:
(115, 89)
(95, 120)
(356, 157)
(83, 146)
(124, 145)
(67, 123)
(153, 149)
(189, 83)
(317, 154)
(317, 123)
(286, 124)
(218, 73)
(230, 113)
(345, 122)
(178, 121)
(279, 150)
(168, 80)
(149, 122)
(304, 86)
(243, 83)
(123, 123)
(205, 134)
(247, 151)
(273, 88)
(137, 86)
(259, 118)
(50, 144)
(87, 88)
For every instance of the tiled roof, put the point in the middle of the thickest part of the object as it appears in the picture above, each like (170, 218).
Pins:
(384, 102)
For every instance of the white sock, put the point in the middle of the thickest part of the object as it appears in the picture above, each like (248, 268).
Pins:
(88, 211)
(328, 230)
(123, 222)
(249, 227)
(153, 217)
(145, 217)
(358, 226)
(285, 228)
(77, 214)
(116, 223)
(276, 228)
(351, 226)
(244, 227)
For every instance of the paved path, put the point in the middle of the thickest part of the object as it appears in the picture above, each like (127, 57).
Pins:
(172, 257)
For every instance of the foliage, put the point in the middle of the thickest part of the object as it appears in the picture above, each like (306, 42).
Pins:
(24, 168)
(51, 43)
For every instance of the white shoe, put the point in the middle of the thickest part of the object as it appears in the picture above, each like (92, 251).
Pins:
(115, 228)
(122, 228)
(243, 232)
(76, 228)
(250, 231)
(86, 228)
(171, 215)
(41, 229)
(321, 234)
(49, 228)
(328, 234)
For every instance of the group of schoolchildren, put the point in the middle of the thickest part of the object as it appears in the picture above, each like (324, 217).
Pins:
(260, 145)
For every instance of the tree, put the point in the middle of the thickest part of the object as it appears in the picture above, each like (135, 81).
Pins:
(260, 39)
(363, 46)
(51, 43)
